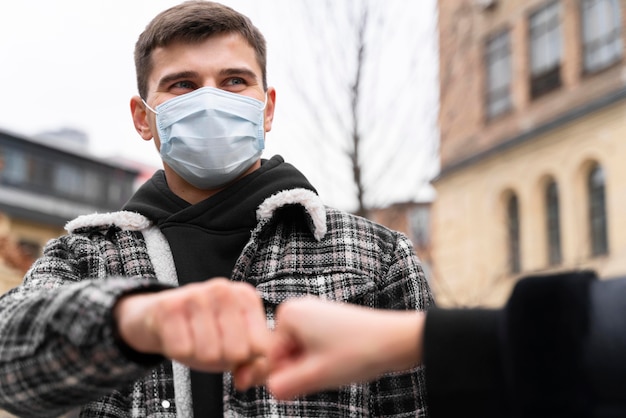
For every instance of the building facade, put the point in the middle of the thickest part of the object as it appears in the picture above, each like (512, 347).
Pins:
(532, 123)
(42, 186)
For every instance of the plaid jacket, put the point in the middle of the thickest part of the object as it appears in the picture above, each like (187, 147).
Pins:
(57, 345)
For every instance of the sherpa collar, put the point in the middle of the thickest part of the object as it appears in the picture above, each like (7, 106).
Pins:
(132, 221)
(310, 201)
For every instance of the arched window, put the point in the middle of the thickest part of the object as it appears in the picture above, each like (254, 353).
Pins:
(553, 223)
(597, 211)
(513, 229)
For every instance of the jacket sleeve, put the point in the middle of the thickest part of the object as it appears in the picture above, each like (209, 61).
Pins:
(462, 358)
(527, 359)
(604, 361)
(403, 287)
(57, 343)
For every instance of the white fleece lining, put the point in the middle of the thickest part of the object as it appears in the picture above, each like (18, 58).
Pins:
(126, 220)
(161, 257)
(311, 202)
(165, 270)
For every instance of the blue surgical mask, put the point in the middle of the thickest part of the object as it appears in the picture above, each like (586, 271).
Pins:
(209, 136)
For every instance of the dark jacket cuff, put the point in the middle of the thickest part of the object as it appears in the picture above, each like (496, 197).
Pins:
(546, 325)
(462, 363)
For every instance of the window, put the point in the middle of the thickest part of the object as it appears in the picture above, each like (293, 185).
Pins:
(419, 220)
(498, 66)
(15, 170)
(545, 50)
(553, 224)
(602, 41)
(115, 192)
(513, 235)
(68, 179)
(41, 171)
(597, 211)
(92, 186)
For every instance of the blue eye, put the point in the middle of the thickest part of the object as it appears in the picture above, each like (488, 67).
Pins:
(236, 81)
(184, 85)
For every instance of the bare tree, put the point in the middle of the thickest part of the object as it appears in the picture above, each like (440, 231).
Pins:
(369, 95)
(353, 153)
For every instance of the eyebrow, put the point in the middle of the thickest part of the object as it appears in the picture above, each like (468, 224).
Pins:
(241, 71)
(169, 78)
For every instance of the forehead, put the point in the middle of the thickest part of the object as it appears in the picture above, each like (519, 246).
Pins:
(206, 57)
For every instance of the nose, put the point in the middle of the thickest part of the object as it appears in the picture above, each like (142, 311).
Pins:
(209, 82)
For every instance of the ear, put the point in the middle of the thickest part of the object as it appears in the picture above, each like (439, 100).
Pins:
(140, 118)
(269, 108)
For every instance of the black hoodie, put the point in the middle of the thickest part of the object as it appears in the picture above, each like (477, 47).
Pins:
(207, 238)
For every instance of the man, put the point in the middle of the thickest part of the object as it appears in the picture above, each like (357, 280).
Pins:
(102, 313)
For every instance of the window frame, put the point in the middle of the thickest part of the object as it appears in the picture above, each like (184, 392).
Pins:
(598, 222)
(611, 37)
(542, 25)
(493, 58)
(553, 223)
(513, 234)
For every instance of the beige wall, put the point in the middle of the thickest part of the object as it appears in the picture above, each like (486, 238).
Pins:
(13, 261)
(469, 232)
(469, 237)
(37, 232)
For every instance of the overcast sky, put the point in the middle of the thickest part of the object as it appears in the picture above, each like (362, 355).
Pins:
(68, 63)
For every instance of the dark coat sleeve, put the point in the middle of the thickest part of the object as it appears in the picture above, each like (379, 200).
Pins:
(605, 352)
(528, 359)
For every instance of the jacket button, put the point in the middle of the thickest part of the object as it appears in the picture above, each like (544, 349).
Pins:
(165, 404)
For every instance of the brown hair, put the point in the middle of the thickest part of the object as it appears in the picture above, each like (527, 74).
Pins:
(194, 21)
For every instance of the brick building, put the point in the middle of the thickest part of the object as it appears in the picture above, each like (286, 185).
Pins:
(412, 219)
(532, 123)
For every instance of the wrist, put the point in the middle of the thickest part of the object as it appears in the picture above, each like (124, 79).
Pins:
(407, 338)
(133, 321)
(396, 341)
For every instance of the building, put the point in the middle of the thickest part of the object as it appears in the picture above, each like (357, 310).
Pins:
(41, 188)
(412, 219)
(532, 123)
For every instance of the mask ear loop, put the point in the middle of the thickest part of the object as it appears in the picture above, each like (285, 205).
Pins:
(264, 104)
(153, 111)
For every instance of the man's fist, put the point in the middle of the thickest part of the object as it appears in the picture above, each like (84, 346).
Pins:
(213, 326)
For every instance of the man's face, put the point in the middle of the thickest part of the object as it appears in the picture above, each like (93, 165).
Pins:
(224, 61)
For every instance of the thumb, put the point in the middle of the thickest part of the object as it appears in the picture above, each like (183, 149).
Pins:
(295, 378)
(251, 373)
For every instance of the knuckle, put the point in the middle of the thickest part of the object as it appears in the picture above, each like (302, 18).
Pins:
(178, 351)
(209, 354)
(219, 290)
